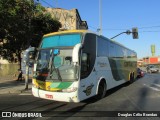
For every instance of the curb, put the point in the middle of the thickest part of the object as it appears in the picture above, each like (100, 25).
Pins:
(9, 92)
(12, 91)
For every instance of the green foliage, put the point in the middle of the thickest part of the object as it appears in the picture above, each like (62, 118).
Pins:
(23, 23)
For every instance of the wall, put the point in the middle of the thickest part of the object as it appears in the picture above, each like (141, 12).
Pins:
(8, 69)
(70, 19)
(66, 17)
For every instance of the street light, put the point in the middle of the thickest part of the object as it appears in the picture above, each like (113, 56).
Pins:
(128, 32)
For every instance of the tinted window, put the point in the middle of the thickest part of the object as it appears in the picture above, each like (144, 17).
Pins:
(89, 47)
(61, 40)
(102, 49)
(112, 50)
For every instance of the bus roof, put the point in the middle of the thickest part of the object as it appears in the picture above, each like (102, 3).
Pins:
(65, 32)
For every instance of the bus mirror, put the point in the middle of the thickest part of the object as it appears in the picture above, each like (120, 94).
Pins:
(75, 54)
(29, 55)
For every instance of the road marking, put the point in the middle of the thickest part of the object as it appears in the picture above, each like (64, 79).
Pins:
(156, 88)
(3, 87)
(157, 85)
(25, 94)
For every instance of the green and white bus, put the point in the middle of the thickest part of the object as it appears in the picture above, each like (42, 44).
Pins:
(75, 65)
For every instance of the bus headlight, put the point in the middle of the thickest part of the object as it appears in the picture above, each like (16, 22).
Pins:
(34, 85)
(73, 89)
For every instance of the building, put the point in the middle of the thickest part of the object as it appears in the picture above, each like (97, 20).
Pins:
(140, 62)
(149, 60)
(70, 19)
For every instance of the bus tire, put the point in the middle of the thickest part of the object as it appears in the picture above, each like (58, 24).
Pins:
(101, 90)
(131, 78)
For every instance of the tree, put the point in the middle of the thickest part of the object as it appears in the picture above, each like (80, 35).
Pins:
(23, 23)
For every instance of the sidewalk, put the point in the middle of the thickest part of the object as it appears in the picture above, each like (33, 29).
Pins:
(8, 85)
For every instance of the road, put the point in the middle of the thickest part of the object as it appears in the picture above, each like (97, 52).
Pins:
(142, 95)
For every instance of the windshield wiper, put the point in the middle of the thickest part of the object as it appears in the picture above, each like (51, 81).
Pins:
(53, 68)
(58, 73)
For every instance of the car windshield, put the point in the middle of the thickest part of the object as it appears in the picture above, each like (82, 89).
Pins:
(153, 67)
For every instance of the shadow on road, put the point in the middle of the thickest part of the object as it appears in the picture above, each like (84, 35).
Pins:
(139, 98)
(144, 94)
(14, 83)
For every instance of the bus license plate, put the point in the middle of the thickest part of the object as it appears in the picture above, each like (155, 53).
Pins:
(49, 96)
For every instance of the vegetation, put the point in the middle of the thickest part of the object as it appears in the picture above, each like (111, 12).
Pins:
(23, 23)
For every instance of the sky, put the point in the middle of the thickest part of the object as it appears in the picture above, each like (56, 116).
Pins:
(119, 16)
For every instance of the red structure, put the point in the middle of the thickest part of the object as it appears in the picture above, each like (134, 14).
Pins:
(151, 60)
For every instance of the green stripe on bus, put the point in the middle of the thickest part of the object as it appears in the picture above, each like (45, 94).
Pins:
(61, 85)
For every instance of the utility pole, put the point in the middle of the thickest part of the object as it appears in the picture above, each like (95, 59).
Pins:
(56, 6)
(100, 17)
(27, 63)
(27, 76)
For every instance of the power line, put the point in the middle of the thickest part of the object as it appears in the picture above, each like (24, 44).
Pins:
(149, 31)
(47, 3)
(149, 27)
(93, 27)
(114, 29)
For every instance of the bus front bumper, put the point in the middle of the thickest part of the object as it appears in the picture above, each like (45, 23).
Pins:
(56, 96)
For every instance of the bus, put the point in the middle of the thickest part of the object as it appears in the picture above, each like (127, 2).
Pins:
(74, 65)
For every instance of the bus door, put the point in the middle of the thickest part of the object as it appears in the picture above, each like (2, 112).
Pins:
(88, 78)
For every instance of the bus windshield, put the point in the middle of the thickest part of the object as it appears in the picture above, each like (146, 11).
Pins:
(43, 61)
(54, 60)
(56, 65)
(62, 67)
(65, 40)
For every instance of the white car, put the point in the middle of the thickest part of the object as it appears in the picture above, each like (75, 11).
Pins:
(152, 69)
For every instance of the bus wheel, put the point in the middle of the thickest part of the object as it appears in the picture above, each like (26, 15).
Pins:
(131, 78)
(101, 90)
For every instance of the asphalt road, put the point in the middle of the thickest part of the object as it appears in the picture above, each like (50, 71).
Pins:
(141, 96)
